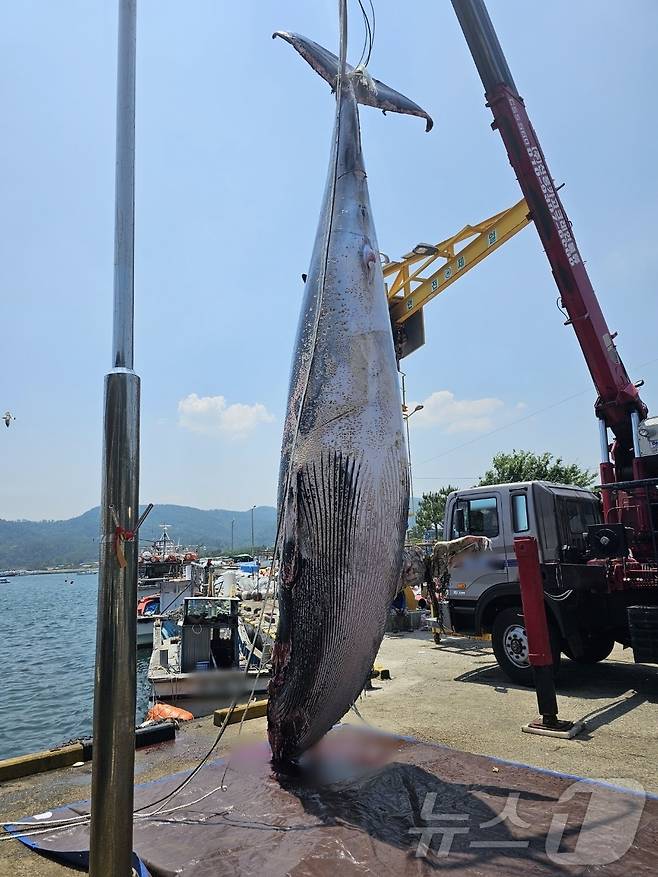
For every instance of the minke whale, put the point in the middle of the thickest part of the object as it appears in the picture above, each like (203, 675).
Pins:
(343, 483)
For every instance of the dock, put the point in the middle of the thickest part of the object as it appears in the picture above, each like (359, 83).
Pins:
(452, 694)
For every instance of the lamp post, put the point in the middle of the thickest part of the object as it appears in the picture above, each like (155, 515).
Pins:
(253, 544)
(232, 529)
(406, 414)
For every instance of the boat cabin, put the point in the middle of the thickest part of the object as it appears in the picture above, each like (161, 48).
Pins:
(209, 635)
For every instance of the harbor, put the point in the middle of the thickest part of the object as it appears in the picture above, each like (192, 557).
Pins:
(314, 666)
(56, 613)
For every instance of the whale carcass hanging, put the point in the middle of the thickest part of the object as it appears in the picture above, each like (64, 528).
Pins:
(343, 484)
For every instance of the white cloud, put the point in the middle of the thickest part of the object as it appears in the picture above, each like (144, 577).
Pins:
(442, 409)
(210, 415)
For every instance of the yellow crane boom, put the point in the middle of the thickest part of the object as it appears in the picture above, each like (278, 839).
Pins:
(415, 279)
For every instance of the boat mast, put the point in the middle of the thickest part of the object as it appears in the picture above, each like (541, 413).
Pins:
(115, 682)
(166, 541)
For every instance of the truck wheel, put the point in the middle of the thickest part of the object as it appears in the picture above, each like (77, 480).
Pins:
(595, 648)
(510, 646)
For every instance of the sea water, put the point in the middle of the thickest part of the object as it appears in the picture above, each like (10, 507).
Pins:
(47, 653)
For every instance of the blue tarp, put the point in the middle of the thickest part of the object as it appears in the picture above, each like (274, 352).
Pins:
(251, 567)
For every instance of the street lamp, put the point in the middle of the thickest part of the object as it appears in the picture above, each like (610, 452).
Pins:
(253, 547)
(406, 414)
(232, 530)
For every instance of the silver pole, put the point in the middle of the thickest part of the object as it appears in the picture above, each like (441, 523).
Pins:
(483, 43)
(115, 681)
(405, 417)
(124, 215)
(635, 428)
(603, 439)
(411, 481)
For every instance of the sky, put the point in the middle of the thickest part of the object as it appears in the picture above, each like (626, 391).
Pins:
(233, 136)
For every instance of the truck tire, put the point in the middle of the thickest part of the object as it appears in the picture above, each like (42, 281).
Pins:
(510, 646)
(595, 648)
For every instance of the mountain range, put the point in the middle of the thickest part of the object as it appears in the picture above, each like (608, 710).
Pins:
(44, 544)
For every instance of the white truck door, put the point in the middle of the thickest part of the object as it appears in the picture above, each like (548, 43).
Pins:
(479, 514)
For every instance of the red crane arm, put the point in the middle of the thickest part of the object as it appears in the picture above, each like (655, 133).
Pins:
(617, 394)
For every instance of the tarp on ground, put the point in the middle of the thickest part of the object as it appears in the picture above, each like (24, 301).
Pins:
(366, 802)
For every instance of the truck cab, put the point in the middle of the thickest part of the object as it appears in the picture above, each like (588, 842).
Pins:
(483, 594)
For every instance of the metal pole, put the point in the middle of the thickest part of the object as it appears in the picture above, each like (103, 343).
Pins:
(115, 682)
(603, 441)
(253, 547)
(607, 471)
(232, 527)
(405, 416)
(635, 429)
(483, 43)
(411, 482)
(124, 215)
(540, 650)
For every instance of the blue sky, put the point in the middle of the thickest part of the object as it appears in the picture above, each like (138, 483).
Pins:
(232, 145)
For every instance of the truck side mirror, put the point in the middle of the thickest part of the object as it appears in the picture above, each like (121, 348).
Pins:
(460, 523)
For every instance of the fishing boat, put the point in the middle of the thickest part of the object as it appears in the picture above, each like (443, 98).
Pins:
(148, 609)
(157, 606)
(163, 560)
(204, 664)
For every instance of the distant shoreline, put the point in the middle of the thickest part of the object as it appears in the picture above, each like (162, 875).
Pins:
(17, 574)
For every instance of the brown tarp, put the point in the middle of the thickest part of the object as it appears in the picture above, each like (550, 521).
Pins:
(361, 804)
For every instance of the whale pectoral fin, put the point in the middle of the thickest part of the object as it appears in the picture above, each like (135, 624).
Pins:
(368, 91)
(321, 60)
(374, 93)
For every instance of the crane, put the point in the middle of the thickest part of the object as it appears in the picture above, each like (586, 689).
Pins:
(601, 578)
(629, 467)
(629, 490)
(618, 558)
(415, 279)
(618, 406)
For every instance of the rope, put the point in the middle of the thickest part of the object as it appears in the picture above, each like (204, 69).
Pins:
(369, 35)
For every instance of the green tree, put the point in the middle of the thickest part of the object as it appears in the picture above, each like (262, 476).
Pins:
(430, 512)
(526, 466)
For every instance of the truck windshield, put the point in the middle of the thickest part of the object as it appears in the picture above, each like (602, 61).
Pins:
(480, 517)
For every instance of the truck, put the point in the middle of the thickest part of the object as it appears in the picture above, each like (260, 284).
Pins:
(483, 597)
